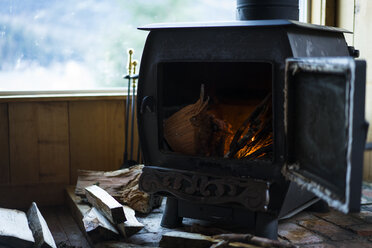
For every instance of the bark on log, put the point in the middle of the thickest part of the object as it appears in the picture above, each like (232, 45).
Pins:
(42, 235)
(120, 184)
(179, 130)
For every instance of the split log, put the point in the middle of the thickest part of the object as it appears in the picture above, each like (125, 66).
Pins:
(194, 130)
(209, 231)
(185, 240)
(77, 207)
(180, 132)
(104, 202)
(131, 225)
(119, 244)
(251, 239)
(210, 134)
(120, 184)
(42, 235)
(14, 229)
(139, 200)
(98, 228)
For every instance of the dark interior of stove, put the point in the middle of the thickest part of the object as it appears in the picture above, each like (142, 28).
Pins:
(236, 122)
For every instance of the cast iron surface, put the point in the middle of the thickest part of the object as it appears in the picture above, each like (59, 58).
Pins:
(245, 41)
(253, 194)
(244, 24)
(326, 128)
(267, 9)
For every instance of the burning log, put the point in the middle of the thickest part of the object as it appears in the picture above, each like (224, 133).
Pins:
(210, 134)
(257, 126)
(260, 152)
(194, 130)
(179, 130)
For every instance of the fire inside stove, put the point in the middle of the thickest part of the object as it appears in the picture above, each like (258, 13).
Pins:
(217, 109)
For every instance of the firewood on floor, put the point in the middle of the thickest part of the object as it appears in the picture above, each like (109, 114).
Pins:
(104, 202)
(42, 235)
(185, 239)
(115, 244)
(14, 229)
(98, 228)
(131, 225)
(79, 209)
(251, 239)
(120, 184)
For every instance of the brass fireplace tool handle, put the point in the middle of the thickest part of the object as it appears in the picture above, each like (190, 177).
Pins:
(132, 77)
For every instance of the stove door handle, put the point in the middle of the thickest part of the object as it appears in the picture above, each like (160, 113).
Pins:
(148, 104)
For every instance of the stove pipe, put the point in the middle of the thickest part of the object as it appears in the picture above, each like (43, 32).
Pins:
(267, 9)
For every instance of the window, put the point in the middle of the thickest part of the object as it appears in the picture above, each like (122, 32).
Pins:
(69, 44)
(79, 45)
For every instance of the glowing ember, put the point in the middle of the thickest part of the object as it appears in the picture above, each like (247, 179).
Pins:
(249, 138)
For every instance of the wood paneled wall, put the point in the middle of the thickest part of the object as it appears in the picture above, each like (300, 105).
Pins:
(4, 145)
(44, 143)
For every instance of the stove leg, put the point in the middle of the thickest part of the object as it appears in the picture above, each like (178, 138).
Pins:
(266, 226)
(170, 216)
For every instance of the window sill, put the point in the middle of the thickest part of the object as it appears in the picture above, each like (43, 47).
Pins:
(63, 95)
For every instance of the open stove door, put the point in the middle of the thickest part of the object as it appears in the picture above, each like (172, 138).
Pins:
(325, 128)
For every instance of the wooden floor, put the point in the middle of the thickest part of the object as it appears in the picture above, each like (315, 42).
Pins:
(65, 231)
(306, 229)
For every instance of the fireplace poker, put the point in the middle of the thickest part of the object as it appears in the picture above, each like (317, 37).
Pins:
(133, 104)
(127, 163)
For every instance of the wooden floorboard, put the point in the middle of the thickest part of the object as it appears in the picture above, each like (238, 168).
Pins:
(54, 225)
(75, 236)
(63, 227)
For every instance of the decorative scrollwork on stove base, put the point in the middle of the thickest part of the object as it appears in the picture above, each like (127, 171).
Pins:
(206, 189)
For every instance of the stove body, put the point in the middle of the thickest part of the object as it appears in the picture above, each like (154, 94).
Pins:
(243, 60)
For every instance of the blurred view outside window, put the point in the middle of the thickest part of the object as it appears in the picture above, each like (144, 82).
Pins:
(82, 44)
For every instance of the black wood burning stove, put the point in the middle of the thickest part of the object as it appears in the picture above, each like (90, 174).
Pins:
(312, 90)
